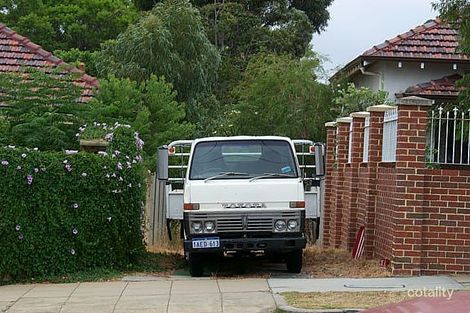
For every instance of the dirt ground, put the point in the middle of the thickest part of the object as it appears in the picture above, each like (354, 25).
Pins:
(318, 263)
(329, 263)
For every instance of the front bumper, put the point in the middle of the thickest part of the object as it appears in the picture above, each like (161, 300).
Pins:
(278, 245)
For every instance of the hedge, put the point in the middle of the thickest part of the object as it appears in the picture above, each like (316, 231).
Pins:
(62, 213)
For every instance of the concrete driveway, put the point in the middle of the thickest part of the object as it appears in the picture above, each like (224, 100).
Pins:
(161, 295)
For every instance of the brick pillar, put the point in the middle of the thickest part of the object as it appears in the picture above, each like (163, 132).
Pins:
(350, 222)
(330, 182)
(375, 157)
(410, 162)
(340, 210)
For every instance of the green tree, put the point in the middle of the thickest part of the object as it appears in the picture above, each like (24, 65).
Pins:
(170, 41)
(279, 95)
(457, 13)
(351, 99)
(63, 25)
(40, 110)
(150, 107)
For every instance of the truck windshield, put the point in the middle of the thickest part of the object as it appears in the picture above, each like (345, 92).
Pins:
(246, 158)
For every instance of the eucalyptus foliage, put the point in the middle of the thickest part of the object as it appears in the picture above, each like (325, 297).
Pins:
(64, 213)
(457, 12)
(169, 41)
(279, 95)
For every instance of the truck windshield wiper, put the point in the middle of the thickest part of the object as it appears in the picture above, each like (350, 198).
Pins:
(269, 175)
(220, 175)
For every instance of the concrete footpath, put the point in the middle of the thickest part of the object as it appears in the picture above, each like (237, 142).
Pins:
(184, 294)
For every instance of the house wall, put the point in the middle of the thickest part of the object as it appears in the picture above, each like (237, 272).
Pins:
(416, 217)
(396, 80)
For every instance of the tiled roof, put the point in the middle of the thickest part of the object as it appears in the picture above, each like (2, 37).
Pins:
(433, 40)
(443, 88)
(17, 51)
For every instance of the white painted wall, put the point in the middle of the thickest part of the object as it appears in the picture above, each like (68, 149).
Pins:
(396, 80)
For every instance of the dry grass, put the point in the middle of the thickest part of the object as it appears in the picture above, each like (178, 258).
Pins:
(327, 263)
(343, 300)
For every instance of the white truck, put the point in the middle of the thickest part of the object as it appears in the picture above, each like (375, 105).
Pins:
(242, 195)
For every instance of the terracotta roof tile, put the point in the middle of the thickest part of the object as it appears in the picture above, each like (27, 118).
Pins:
(443, 87)
(433, 40)
(17, 51)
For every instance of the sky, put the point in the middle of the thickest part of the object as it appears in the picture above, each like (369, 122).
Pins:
(357, 25)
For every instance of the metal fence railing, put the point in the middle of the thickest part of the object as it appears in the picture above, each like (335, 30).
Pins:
(350, 143)
(389, 143)
(449, 136)
(365, 151)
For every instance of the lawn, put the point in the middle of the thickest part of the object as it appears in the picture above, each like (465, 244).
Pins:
(343, 300)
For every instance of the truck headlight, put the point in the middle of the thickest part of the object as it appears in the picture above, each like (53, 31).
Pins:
(196, 227)
(209, 227)
(280, 225)
(292, 224)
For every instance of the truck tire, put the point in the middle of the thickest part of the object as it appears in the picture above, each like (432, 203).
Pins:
(196, 265)
(294, 261)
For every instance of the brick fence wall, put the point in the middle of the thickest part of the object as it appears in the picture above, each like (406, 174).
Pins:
(415, 216)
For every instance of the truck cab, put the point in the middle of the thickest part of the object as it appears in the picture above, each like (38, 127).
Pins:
(243, 196)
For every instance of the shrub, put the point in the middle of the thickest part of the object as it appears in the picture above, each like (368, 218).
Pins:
(63, 213)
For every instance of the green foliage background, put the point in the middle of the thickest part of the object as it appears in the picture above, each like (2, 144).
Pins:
(37, 220)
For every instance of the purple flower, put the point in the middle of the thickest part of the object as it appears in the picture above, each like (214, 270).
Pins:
(29, 179)
(81, 129)
(20, 237)
(5, 162)
(18, 227)
(108, 137)
(68, 167)
(139, 143)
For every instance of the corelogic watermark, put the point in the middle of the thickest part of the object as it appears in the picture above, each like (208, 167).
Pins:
(436, 292)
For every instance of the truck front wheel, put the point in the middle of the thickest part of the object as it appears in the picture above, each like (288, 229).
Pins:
(294, 261)
(196, 265)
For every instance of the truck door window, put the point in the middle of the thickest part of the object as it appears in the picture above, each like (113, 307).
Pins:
(253, 157)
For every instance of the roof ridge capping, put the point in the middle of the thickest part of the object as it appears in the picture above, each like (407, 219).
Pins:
(49, 56)
(412, 32)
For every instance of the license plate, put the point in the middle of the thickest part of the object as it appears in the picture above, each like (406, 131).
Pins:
(205, 243)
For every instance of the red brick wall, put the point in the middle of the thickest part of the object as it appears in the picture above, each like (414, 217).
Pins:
(414, 216)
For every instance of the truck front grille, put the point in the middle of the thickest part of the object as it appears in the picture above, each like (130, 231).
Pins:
(243, 221)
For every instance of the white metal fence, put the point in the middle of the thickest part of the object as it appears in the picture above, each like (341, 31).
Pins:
(449, 137)
(365, 151)
(350, 142)
(389, 143)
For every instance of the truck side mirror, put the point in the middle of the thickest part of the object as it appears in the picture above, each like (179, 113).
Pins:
(319, 160)
(162, 165)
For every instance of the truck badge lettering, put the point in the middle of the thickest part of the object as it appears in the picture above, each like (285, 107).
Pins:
(243, 205)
